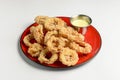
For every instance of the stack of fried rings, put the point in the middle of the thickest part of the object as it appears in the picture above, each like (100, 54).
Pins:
(53, 36)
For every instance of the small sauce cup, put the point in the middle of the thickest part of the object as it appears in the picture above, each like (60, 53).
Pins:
(80, 21)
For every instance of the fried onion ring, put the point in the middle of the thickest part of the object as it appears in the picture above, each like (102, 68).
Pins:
(49, 34)
(27, 39)
(37, 33)
(71, 34)
(68, 57)
(83, 47)
(34, 49)
(54, 44)
(54, 23)
(42, 57)
(64, 42)
(41, 19)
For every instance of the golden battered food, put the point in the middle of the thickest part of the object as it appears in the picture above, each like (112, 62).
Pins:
(83, 47)
(68, 57)
(27, 39)
(41, 19)
(53, 36)
(42, 57)
(55, 44)
(63, 42)
(49, 34)
(34, 49)
(71, 34)
(54, 23)
(37, 33)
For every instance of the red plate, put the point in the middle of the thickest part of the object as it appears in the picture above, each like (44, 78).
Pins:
(92, 37)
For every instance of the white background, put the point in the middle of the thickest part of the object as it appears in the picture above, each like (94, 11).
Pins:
(16, 15)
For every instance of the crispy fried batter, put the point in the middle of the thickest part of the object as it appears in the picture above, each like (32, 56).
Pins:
(41, 19)
(55, 44)
(34, 49)
(54, 23)
(68, 57)
(37, 33)
(27, 39)
(83, 47)
(71, 34)
(42, 57)
(49, 34)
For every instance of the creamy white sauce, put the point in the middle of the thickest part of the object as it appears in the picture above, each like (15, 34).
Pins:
(80, 23)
